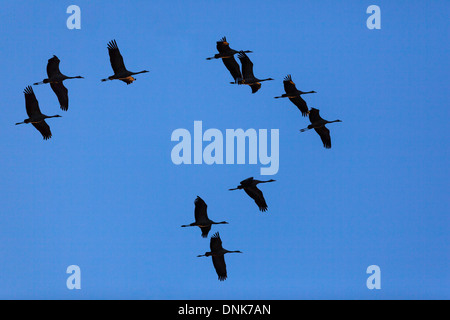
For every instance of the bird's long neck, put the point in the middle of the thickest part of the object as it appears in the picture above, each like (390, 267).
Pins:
(334, 121)
(268, 79)
(259, 181)
(76, 77)
(221, 222)
(307, 92)
(55, 116)
(143, 71)
(235, 251)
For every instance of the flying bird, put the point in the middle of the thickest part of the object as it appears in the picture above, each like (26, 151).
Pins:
(294, 95)
(218, 256)
(318, 124)
(249, 186)
(227, 56)
(248, 78)
(56, 78)
(35, 117)
(120, 72)
(201, 218)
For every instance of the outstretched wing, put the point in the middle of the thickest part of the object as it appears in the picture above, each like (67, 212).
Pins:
(53, 67)
(200, 210)
(218, 260)
(247, 65)
(289, 85)
(31, 103)
(257, 195)
(220, 266)
(233, 67)
(314, 115)
(301, 105)
(215, 243)
(324, 134)
(44, 129)
(116, 58)
(222, 45)
(61, 92)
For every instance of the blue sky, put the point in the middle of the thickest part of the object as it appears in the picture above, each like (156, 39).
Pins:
(104, 194)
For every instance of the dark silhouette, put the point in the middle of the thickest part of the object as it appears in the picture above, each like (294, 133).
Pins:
(218, 252)
(249, 186)
(294, 95)
(227, 56)
(248, 78)
(120, 72)
(56, 78)
(36, 118)
(201, 217)
(318, 124)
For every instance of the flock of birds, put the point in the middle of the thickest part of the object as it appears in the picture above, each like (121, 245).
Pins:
(244, 76)
(204, 223)
(56, 79)
(241, 76)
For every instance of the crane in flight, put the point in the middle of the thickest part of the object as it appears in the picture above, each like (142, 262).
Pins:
(295, 95)
(218, 256)
(227, 56)
(201, 218)
(318, 124)
(56, 78)
(250, 187)
(118, 66)
(35, 117)
(248, 78)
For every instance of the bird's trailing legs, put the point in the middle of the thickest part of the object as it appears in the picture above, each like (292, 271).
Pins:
(305, 129)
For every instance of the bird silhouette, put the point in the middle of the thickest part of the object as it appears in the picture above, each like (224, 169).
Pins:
(318, 124)
(250, 187)
(218, 256)
(294, 95)
(56, 78)
(118, 66)
(201, 218)
(227, 56)
(248, 78)
(35, 117)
